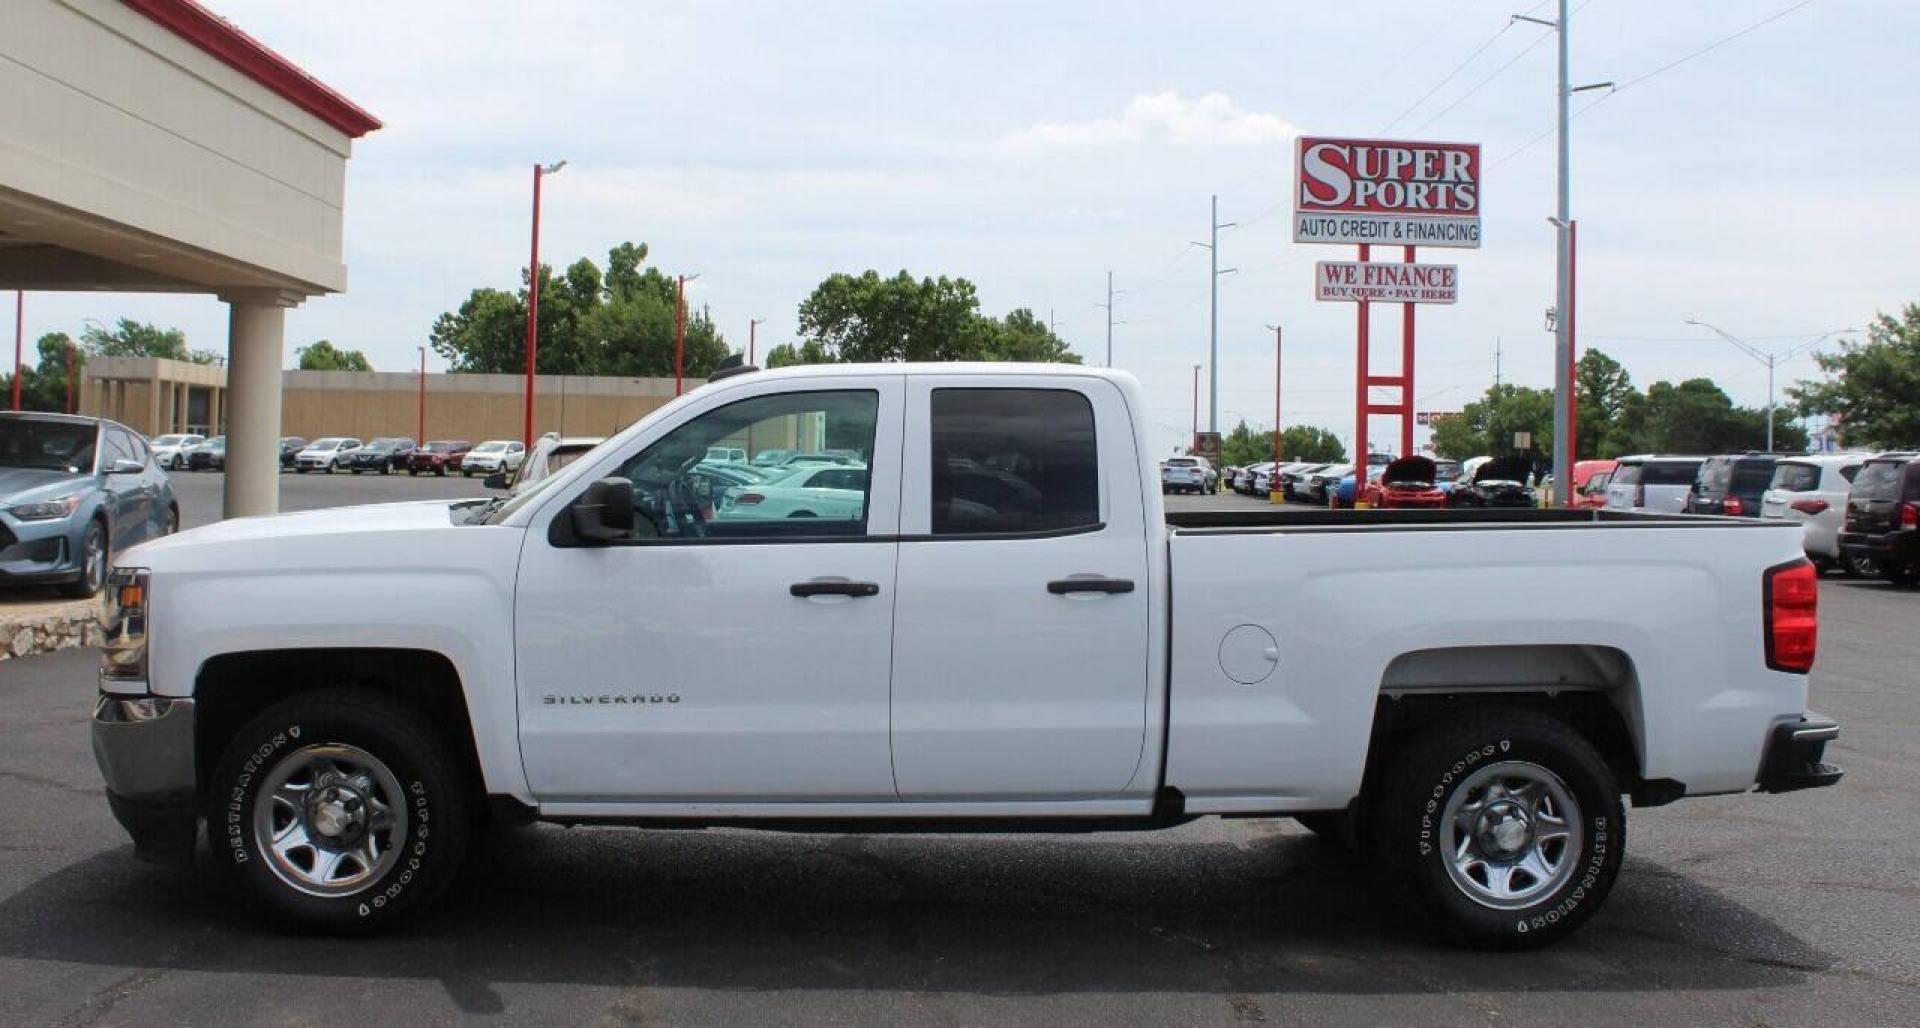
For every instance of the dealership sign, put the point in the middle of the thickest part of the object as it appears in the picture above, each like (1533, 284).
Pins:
(1367, 191)
(1386, 283)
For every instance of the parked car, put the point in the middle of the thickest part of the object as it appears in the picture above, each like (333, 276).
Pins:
(1184, 475)
(1883, 516)
(1731, 484)
(1340, 497)
(726, 455)
(495, 455)
(1294, 480)
(1652, 482)
(1260, 482)
(75, 491)
(1322, 483)
(1407, 483)
(1493, 482)
(384, 455)
(326, 454)
(1590, 478)
(809, 491)
(170, 451)
(208, 456)
(1068, 653)
(437, 457)
(550, 453)
(290, 447)
(1812, 490)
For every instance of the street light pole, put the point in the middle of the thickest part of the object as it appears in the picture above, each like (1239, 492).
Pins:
(680, 328)
(19, 333)
(753, 328)
(1193, 443)
(540, 171)
(1213, 313)
(1769, 360)
(1276, 394)
(423, 394)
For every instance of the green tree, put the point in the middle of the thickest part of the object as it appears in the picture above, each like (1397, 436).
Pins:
(321, 355)
(1311, 443)
(616, 322)
(1871, 389)
(43, 387)
(868, 318)
(1604, 390)
(1242, 446)
(129, 338)
(1488, 425)
(1697, 416)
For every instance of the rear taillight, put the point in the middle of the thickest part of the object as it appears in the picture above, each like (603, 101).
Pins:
(1733, 505)
(1910, 515)
(1791, 595)
(748, 498)
(1809, 506)
(1639, 495)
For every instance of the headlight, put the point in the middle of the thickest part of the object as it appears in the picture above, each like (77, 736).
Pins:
(123, 610)
(59, 508)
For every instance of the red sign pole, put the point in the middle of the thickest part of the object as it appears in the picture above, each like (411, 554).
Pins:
(1360, 398)
(1406, 373)
(1573, 366)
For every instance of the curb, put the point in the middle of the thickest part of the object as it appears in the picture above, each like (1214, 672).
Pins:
(43, 628)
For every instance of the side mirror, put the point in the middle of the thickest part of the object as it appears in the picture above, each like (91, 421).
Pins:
(126, 467)
(604, 512)
(497, 480)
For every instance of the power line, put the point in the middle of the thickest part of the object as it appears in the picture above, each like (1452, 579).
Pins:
(1448, 77)
(1497, 72)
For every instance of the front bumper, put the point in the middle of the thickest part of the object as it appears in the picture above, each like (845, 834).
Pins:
(1794, 757)
(144, 746)
(39, 551)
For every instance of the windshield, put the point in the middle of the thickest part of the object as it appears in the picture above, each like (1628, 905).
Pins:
(47, 445)
(1669, 473)
(326, 444)
(378, 446)
(437, 448)
(490, 447)
(1181, 462)
(169, 440)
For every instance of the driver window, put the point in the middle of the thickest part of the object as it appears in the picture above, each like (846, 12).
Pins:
(751, 470)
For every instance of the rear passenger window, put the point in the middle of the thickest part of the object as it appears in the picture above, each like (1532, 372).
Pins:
(1013, 461)
(1669, 474)
(1797, 478)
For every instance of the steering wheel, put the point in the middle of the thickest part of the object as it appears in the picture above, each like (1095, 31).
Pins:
(684, 505)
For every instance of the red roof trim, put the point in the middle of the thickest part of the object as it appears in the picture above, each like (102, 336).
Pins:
(250, 57)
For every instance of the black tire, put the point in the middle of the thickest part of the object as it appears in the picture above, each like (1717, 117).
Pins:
(413, 472)
(433, 794)
(386, 469)
(173, 521)
(1901, 574)
(1481, 744)
(94, 554)
(441, 471)
(1859, 566)
(330, 467)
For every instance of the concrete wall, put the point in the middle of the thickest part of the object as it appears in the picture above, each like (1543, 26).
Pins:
(471, 407)
(120, 139)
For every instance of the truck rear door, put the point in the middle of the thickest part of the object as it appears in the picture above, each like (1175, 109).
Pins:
(1021, 619)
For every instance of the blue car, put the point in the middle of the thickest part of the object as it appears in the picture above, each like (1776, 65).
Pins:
(73, 492)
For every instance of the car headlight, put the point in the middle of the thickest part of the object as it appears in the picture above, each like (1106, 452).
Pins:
(47, 510)
(123, 610)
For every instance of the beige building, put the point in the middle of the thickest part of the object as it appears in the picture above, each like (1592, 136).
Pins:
(151, 146)
(157, 396)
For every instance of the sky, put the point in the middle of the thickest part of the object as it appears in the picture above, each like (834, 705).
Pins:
(1761, 186)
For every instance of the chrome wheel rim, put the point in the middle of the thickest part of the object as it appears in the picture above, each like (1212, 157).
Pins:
(330, 819)
(94, 561)
(1510, 834)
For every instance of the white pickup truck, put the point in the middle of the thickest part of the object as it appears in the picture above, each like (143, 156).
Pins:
(1007, 632)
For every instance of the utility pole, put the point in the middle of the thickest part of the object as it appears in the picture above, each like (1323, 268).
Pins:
(1111, 293)
(1496, 362)
(423, 394)
(1213, 313)
(1769, 360)
(1563, 266)
(753, 327)
(1193, 442)
(540, 171)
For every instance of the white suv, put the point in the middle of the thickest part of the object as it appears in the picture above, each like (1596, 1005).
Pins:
(1652, 483)
(1813, 491)
(1186, 475)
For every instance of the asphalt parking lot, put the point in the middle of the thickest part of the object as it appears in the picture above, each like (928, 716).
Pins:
(1776, 910)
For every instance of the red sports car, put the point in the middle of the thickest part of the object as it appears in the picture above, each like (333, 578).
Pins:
(1406, 483)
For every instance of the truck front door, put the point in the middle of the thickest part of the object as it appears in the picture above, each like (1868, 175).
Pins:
(735, 648)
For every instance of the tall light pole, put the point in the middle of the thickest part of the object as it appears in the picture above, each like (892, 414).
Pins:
(753, 328)
(540, 171)
(1768, 360)
(680, 328)
(1276, 396)
(1563, 267)
(1213, 313)
(1193, 443)
(1111, 293)
(423, 395)
(19, 334)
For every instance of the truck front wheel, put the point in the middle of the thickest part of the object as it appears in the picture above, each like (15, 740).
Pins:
(340, 808)
(1507, 824)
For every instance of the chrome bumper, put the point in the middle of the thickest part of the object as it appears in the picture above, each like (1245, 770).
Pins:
(145, 747)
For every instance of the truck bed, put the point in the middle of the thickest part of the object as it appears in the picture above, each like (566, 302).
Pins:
(1281, 519)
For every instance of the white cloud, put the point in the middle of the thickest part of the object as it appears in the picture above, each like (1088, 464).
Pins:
(1210, 120)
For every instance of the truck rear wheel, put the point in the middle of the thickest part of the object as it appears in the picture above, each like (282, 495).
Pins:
(1507, 824)
(341, 809)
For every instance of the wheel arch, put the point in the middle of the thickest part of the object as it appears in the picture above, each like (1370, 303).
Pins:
(1593, 688)
(231, 688)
